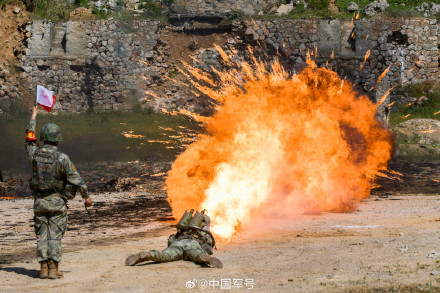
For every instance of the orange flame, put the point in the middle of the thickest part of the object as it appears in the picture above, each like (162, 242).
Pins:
(406, 116)
(195, 59)
(8, 197)
(395, 173)
(381, 174)
(384, 97)
(430, 130)
(278, 143)
(437, 113)
(391, 104)
(383, 74)
(411, 70)
(365, 59)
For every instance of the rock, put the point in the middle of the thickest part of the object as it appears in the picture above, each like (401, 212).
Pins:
(284, 9)
(17, 10)
(376, 7)
(403, 249)
(352, 7)
(118, 184)
(435, 9)
(81, 11)
(176, 9)
(434, 273)
(433, 254)
(303, 2)
(272, 10)
(427, 11)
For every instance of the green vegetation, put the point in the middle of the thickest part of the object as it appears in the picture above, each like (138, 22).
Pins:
(99, 13)
(152, 8)
(54, 10)
(343, 4)
(318, 4)
(192, 46)
(320, 8)
(173, 73)
(82, 3)
(428, 89)
(235, 14)
(168, 2)
(3, 3)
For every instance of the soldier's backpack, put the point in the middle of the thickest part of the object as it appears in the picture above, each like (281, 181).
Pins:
(44, 172)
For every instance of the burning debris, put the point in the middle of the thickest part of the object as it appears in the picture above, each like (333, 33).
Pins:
(282, 143)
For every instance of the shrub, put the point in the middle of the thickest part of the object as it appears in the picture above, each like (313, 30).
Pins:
(318, 4)
(53, 9)
(152, 8)
(430, 90)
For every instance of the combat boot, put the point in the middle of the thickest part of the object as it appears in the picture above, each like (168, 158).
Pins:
(44, 270)
(211, 261)
(137, 258)
(53, 270)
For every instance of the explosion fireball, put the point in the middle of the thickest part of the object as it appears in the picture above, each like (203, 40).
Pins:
(285, 143)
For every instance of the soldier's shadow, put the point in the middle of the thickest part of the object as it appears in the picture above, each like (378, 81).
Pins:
(202, 265)
(26, 272)
(21, 271)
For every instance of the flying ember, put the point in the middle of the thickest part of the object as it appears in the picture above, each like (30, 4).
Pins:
(278, 143)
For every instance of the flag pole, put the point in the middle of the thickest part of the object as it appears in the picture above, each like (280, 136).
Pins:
(36, 94)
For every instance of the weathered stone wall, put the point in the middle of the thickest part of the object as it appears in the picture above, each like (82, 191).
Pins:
(10, 95)
(408, 46)
(107, 65)
(92, 64)
(224, 7)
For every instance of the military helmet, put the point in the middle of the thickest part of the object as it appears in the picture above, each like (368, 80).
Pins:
(50, 132)
(206, 222)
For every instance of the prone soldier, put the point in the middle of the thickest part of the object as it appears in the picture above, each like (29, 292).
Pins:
(54, 181)
(193, 241)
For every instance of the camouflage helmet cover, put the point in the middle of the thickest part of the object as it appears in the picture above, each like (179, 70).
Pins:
(50, 132)
(206, 222)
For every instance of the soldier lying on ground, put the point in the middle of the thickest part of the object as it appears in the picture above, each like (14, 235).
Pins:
(193, 241)
(53, 177)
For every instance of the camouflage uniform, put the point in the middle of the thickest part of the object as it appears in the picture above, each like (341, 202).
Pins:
(51, 172)
(193, 241)
(188, 245)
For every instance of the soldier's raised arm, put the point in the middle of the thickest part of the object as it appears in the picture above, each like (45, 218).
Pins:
(30, 143)
(74, 178)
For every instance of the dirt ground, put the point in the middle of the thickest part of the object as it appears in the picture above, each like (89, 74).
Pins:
(389, 243)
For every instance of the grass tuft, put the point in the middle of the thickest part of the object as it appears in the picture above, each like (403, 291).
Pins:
(428, 89)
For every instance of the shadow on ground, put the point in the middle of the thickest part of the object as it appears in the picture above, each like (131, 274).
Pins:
(21, 271)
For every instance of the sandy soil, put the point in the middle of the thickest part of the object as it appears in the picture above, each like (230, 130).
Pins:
(389, 243)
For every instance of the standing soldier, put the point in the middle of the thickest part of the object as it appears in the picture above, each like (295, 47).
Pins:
(193, 241)
(52, 171)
